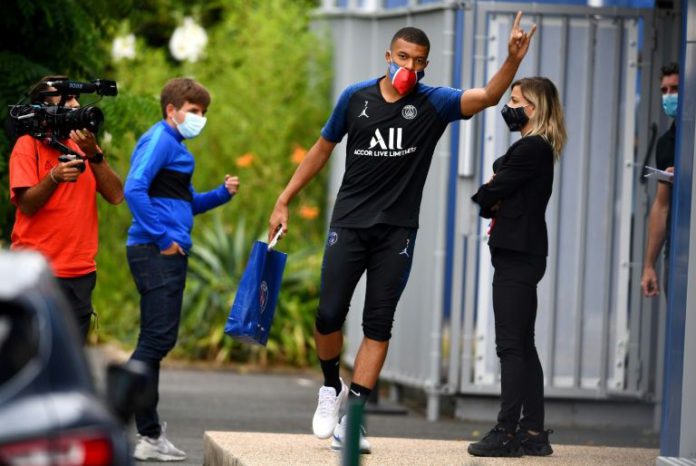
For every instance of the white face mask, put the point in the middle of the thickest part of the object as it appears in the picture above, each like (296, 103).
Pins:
(192, 125)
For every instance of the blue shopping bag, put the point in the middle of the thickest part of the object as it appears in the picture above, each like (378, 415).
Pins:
(254, 305)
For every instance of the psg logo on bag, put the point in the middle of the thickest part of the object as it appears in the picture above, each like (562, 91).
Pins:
(263, 295)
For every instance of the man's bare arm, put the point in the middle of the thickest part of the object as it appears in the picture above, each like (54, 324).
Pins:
(31, 199)
(475, 100)
(657, 232)
(109, 184)
(313, 162)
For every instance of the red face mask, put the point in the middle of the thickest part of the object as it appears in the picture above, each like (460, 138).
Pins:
(403, 79)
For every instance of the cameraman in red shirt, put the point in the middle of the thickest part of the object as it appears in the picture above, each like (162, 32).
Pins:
(56, 202)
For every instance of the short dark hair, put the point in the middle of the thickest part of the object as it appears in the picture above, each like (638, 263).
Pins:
(35, 93)
(178, 91)
(412, 35)
(669, 69)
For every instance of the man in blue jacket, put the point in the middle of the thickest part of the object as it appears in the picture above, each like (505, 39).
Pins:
(163, 202)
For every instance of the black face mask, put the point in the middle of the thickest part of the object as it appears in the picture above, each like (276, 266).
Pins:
(514, 117)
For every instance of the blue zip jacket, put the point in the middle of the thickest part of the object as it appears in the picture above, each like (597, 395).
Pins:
(159, 192)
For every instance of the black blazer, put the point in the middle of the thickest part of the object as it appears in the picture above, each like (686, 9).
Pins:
(522, 183)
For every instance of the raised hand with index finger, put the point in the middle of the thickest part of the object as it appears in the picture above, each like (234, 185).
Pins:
(519, 40)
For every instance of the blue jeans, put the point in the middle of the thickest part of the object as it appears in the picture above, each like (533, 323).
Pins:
(160, 281)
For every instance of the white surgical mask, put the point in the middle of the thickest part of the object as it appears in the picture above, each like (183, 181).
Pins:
(192, 125)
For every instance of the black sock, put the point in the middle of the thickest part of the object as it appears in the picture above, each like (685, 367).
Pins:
(358, 393)
(330, 368)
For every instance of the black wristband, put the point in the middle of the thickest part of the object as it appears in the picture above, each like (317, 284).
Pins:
(97, 158)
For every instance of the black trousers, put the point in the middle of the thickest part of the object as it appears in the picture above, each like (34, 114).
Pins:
(515, 306)
(386, 253)
(78, 292)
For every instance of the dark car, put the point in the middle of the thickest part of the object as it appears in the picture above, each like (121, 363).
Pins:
(50, 412)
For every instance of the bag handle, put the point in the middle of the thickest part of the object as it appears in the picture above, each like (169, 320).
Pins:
(275, 239)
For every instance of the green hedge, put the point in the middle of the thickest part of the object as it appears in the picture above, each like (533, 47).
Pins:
(269, 77)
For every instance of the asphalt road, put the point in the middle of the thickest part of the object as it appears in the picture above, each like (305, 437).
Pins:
(195, 400)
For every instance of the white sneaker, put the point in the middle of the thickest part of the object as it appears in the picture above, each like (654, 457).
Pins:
(328, 408)
(158, 449)
(339, 436)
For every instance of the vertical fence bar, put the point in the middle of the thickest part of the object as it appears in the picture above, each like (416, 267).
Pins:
(609, 211)
(582, 211)
(351, 441)
(488, 148)
(552, 273)
(622, 286)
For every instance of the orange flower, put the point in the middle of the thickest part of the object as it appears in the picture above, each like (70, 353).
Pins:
(309, 212)
(245, 160)
(298, 154)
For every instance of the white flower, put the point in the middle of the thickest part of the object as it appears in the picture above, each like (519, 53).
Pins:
(107, 138)
(123, 47)
(188, 41)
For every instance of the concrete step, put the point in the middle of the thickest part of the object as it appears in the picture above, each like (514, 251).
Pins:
(262, 449)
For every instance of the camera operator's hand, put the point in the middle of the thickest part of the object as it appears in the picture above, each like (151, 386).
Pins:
(86, 140)
(173, 249)
(67, 172)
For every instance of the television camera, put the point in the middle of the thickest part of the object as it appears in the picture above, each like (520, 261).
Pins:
(52, 123)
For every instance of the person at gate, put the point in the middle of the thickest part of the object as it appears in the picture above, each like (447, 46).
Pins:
(516, 198)
(163, 202)
(393, 124)
(659, 219)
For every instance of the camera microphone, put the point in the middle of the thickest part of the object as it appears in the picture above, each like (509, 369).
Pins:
(100, 86)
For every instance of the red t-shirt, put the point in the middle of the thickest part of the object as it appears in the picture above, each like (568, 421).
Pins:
(64, 229)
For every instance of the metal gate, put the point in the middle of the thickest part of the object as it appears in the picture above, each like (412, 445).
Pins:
(583, 329)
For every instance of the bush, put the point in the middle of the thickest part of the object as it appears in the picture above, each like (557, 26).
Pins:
(269, 77)
(48, 37)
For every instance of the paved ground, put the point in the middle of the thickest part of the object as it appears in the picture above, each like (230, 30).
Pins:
(194, 401)
(233, 448)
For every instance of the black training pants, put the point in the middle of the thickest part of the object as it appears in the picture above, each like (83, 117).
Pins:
(515, 306)
(385, 252)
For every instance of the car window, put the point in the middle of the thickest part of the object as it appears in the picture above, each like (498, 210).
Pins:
(19, 342)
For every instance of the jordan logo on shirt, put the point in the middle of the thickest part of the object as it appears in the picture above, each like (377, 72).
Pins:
(364, 112)
(405, 251)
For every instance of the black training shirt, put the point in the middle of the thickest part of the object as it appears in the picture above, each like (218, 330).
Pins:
(389, 149)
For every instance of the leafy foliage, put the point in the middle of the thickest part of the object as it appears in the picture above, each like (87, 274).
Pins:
(49, 37)
(268, 75)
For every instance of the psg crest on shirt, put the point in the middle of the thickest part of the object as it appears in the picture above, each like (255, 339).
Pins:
(409, 112)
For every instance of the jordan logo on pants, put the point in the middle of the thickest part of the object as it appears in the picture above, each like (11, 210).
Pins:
(405, 251)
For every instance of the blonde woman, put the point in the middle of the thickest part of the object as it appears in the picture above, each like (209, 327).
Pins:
(515, 199)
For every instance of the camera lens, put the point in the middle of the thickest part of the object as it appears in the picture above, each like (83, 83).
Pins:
(88, 117)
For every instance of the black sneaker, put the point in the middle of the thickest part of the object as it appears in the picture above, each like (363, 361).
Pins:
(497, 442)
(535, 445)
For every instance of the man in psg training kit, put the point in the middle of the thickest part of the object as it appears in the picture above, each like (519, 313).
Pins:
(393, 124)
